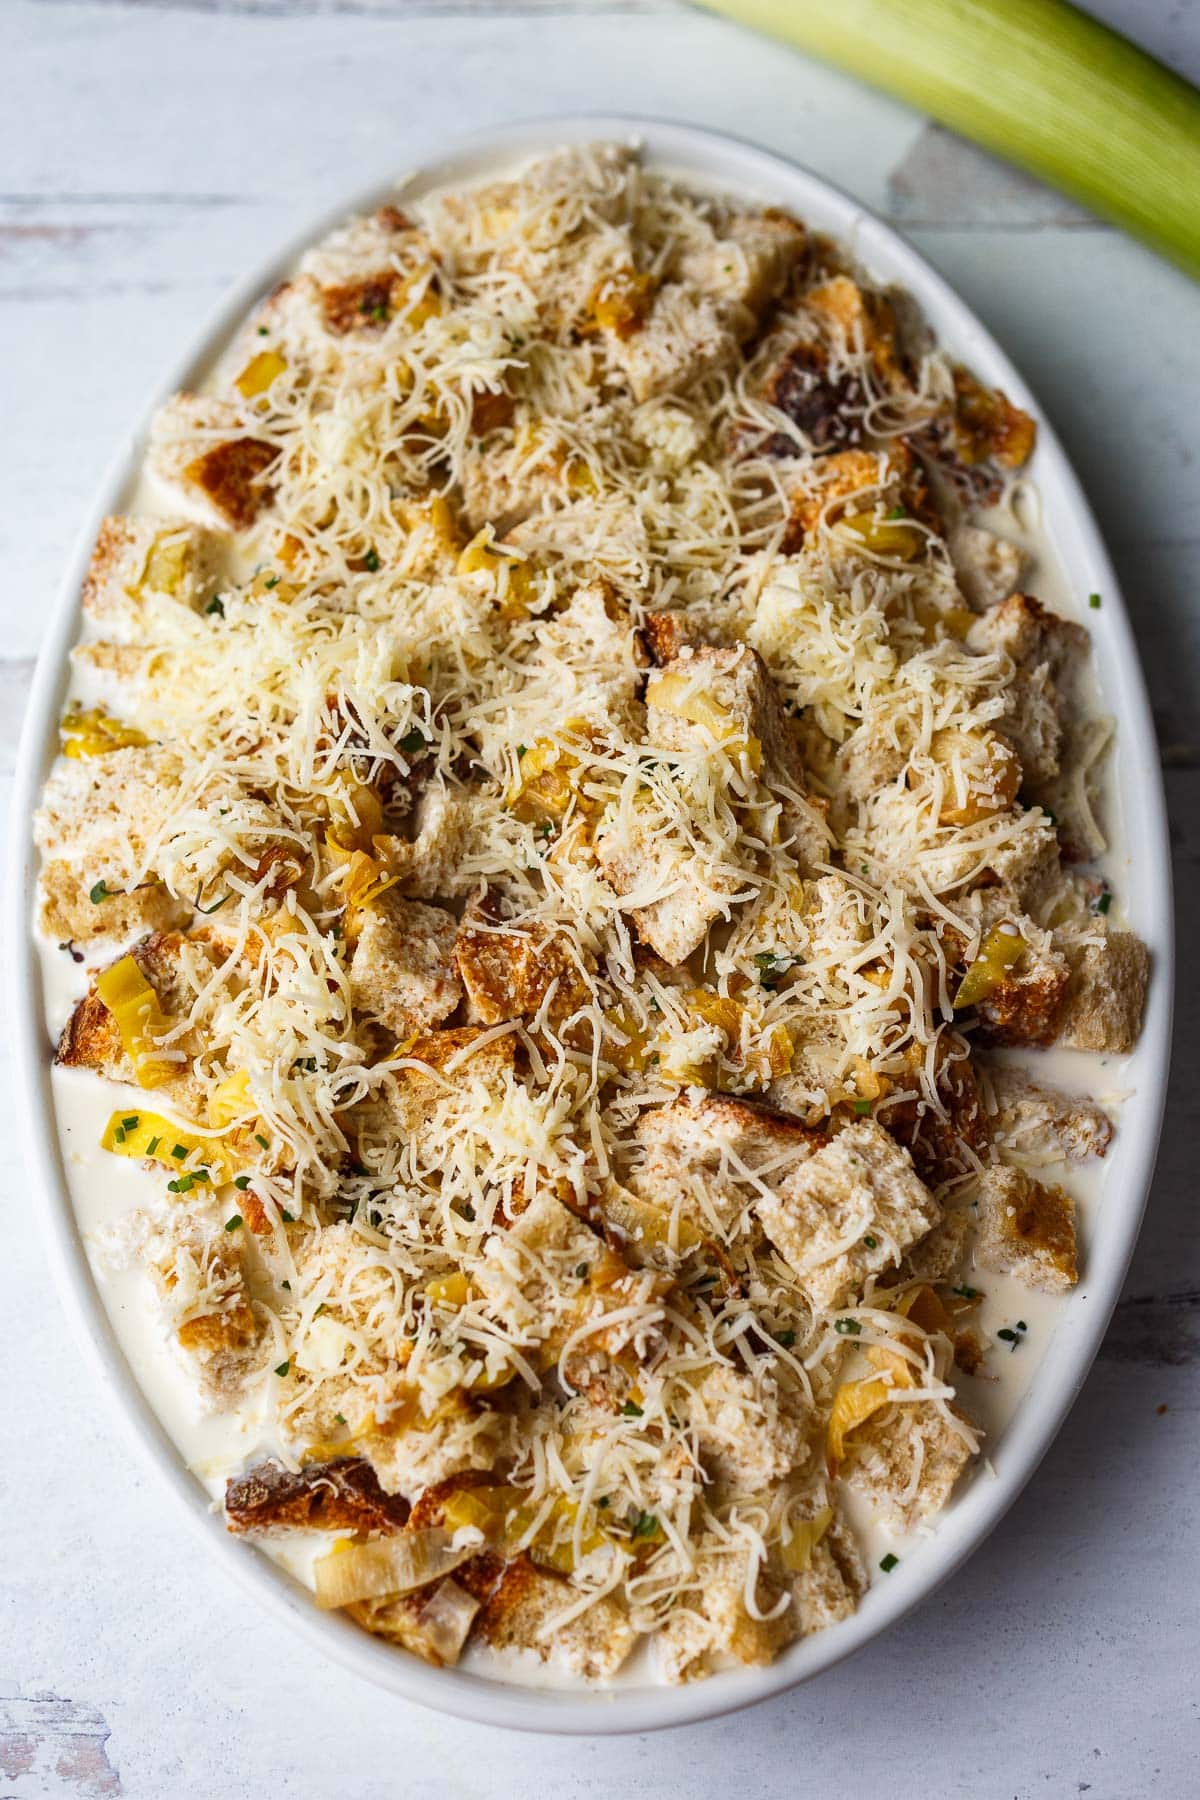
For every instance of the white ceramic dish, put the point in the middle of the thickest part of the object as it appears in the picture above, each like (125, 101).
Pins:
(711, 160)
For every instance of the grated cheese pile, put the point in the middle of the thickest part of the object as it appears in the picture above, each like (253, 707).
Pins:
(548, 763)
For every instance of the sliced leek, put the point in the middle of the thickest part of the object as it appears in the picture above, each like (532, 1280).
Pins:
(1036, 81)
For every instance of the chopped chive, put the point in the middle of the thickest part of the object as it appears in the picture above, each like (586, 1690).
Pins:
(287, 1285)
(260, 1139)
(178, 1152)
(98, 893)
(889, 1562)
(371, 560)
(862, 1108)
(522, 750)
(581, 1270)
(287, 1217)
(182, 1186)
(1104, 902)
(785, 1339)
(632, 1410)
(131, 1123)
(643, 1525)
(283, 1367)
(847, 1327)
(263, 332)
(338, 1419)
(216, 605)
(966, 1293)
(119, 1135)
(272, 581)
(152, 1146)
(870, 1242)
(413, 741)
(602, 1502)
(320, 1309)
(232, 1224)
(1094, 602)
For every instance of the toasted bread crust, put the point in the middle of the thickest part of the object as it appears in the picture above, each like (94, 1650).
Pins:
(333, 1496)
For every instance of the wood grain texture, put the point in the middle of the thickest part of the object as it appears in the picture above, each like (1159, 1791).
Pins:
(148, 153)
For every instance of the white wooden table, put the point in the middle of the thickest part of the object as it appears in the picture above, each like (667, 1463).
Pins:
(148, 152)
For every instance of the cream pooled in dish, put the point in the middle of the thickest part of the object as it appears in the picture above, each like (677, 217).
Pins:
(566, 814)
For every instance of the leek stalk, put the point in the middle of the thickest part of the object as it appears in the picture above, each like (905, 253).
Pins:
(1036, 81)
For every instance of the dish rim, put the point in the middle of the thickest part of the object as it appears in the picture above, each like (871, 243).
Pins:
(738, 165)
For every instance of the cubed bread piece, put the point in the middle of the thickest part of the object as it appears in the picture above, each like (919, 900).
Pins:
(945, 1141)
(746, 266)
(988, 566)
(1050, 654)
(748, 1435)
(68, 914)
(453, 1066)
(203, 449)
(940, 1255)
(712, 695)
(206, 1300)
(710, 1620)
(1027, 1228)
(834, 1582)
(1106, 995)
(458, 1439)
(504, 483)
(512, 971)
(372, 269)
(341, 1495)
(857, 321)
(432, 866)
(665, 634)
(402, 971)
(1026, 1006)
(135, 559)
(549, 1273)
(1031, 1120)
(848, 481)
(684, 338)
(906, 1458)
(523, 1612)
(824, 405)
(638, 865)
(848, 1212)
(100, 810)
(176, 966)
(697, 1155)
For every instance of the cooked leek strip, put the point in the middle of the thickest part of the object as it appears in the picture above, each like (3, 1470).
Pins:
(133, 1003)
(148, 1136)
(998, 953)
(802, 1538)
(95, 733)
(1037, 82)
(393, 1565)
